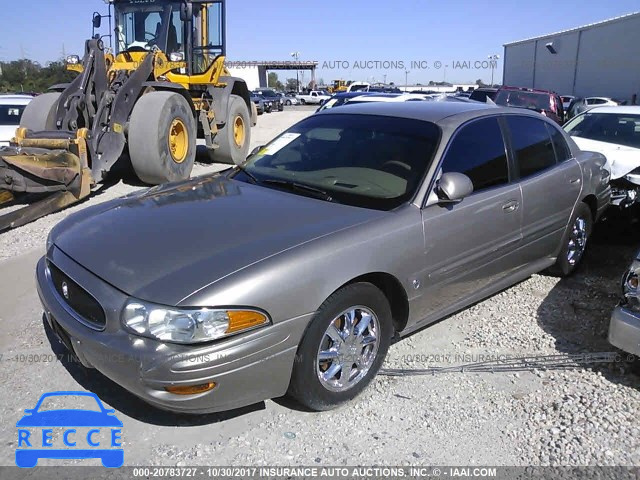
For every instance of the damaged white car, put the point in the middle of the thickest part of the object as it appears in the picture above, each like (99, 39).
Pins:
(615, 133)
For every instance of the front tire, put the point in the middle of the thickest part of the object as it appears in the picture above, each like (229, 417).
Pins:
(343, 347)
(162, 138)
(574, 242)
(40, 113)
(234, 139)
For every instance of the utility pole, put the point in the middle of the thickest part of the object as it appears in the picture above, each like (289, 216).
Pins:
(493, 60)
(296, 55)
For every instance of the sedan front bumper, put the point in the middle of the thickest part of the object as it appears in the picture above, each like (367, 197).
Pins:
(246, 369)
(624, 330)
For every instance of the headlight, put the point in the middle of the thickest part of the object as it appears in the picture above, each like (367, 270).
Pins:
(177, 57)
(630, 286)
(188, 325)
(73, 59)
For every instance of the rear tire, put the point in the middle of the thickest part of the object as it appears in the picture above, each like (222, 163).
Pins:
(40, 113)
(234, 139)
(318, 383)
(574, 242)
(162, 138)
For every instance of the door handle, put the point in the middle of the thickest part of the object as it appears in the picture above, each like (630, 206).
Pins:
(510, 206)
(574, 181)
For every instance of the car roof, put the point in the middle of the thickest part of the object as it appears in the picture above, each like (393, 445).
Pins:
(15, 99)
(426, 111)
(634, 109)
(357, 93)
(524, 89)
(393, 97)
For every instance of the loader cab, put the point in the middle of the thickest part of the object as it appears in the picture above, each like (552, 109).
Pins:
(191, 31)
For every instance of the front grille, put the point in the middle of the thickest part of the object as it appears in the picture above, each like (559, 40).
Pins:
(80, 301)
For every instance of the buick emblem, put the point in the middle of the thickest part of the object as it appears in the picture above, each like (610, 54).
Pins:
(65, 290)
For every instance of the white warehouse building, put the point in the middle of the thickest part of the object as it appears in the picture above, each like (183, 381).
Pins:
(601, 59)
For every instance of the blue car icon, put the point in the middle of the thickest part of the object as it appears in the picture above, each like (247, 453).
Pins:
(69, 418)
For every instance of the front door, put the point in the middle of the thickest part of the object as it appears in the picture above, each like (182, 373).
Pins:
(471, 243)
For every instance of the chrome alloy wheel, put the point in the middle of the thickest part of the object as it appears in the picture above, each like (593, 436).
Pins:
(348, 349)
(577, 241)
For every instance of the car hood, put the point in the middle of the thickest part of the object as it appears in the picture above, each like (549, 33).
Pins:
(620, 159)
(170, 241)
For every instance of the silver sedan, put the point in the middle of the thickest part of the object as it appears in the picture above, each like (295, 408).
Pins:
(293, 272)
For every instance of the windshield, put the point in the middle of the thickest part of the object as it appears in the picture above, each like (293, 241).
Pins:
(362, 160)
(481, 95)
(147, 24)
(531, 100)
(10, 114)
(615, 128)
(333, 102)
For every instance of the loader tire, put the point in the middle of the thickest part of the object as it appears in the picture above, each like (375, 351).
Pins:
(162, 138)
(40, 113)
(234, 139)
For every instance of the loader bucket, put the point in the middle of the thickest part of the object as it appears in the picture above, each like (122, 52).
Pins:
(57, 167)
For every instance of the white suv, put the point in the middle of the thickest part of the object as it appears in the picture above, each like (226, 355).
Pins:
(11, 108)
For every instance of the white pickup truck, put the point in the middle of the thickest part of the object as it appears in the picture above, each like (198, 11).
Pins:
(314, 97)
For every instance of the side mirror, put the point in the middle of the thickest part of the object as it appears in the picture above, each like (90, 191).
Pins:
(453, 187)
(97, 20)
(186, 12)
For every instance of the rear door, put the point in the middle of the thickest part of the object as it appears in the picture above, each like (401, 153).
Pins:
(471, 243)
(551, 182)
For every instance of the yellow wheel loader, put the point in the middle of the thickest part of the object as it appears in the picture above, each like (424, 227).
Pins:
(148, 98)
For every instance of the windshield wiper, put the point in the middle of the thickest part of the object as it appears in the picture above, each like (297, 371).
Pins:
(253, 179)
(301, 187)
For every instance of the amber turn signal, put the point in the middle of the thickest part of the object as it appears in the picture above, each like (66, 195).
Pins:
(242, 320)
(190, 389)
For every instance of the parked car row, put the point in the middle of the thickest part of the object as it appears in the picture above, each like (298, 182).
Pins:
(267, 101)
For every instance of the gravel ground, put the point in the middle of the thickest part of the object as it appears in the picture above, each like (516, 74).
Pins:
(586, 415)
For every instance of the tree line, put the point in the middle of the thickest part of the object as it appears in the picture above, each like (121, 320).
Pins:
(31, 77)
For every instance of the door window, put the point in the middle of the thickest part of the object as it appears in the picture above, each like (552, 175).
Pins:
(478, 151)
(531, 144)
(559, 143)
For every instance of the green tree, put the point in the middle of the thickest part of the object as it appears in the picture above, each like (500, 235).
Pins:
(29, 76)
(273, 82)
(291, 84)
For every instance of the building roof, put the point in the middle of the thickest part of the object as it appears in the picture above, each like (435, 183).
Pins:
(575, 29)
(274, 64)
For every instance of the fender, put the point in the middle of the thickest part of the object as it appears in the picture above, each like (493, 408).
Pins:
(234, 86)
